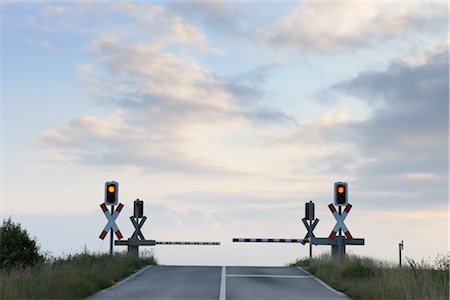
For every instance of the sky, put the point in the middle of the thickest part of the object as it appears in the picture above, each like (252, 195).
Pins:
(225, 118)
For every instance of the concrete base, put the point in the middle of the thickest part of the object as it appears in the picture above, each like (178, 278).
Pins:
(133, 250)
(339, 249)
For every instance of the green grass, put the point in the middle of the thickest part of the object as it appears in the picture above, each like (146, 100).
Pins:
(75, 276)
(367, 278)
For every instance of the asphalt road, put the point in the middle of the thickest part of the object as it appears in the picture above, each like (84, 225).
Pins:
(186, 282)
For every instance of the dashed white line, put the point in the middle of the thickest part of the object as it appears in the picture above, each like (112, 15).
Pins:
(223, 284)
(268, 276)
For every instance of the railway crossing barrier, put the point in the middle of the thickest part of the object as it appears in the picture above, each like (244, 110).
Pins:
(335, 239)
(258, 240)
(309, 216)
(137, 238)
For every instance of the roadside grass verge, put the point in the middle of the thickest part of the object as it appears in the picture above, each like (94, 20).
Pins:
(368, 278)
(75, 276)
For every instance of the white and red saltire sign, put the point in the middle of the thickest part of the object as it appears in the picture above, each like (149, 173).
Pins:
(340, 222)
(111, 221)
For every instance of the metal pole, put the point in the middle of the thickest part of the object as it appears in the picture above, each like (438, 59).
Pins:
(111, 238)
(400, 248)
(310, 244)
(340, 243)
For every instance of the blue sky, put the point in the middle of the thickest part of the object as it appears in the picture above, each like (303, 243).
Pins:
(225, 118)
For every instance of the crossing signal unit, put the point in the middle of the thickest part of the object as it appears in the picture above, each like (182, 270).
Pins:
(111, 193)
(340, 193)
(138, 209)
(309, 210)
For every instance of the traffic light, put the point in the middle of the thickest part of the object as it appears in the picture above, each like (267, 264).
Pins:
(111, 193)
(309, 210)
(138, 209)
(340, 193)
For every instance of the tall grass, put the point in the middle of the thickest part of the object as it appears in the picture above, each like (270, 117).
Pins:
(367, 278)
(75, 276)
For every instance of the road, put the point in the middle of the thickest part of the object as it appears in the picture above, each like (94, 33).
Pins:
(189, 282)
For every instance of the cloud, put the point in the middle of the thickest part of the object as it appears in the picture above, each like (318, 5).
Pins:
(411, 135)
(168, 113)
(407, 139)
(119, 142)
(414, 111)
(169, 28)
(326, 27)
(400, 151)
(42, 44)
(219, 15)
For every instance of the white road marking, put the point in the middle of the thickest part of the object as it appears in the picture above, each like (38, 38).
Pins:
(126, 279)
(322, 283)
(268, 276)
(223, 284)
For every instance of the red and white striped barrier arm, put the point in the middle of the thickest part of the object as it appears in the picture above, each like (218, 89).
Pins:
(186, 243)
(111, 221)
(252, 240)
(340, 222)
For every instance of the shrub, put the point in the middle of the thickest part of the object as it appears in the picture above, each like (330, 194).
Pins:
(16, 246)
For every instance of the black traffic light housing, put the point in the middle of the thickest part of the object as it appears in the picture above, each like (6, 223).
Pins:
(111, 193)
(138, 209)
(340, 193)
(309, 210)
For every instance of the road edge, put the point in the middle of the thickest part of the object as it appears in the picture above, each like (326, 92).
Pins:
(126, 279)
(323, 283)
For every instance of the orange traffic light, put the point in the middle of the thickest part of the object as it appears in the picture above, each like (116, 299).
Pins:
(111, 193)
(340, 193)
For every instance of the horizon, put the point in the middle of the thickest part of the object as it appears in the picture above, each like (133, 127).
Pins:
(225, 119)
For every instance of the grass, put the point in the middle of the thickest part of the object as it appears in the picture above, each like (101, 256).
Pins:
(367, 278)
(75, 276)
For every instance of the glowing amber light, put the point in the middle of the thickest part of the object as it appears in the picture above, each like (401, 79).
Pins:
(341, 189)
(111, 189)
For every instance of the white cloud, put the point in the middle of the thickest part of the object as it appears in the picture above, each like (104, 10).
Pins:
(55, 9)
(422, 57)
(325, 26)
(171, 114)
(169, 28)
(168, 113)
(41, 44)
(420, 176)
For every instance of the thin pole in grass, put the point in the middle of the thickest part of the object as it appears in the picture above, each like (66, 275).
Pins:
(400, 248)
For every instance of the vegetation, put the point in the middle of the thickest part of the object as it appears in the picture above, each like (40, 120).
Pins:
(17, 249)
(75, 276)
(367, 278)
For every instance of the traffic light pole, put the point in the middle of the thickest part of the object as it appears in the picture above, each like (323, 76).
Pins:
(341, 245)
(111, 240)
(310, 244)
